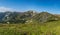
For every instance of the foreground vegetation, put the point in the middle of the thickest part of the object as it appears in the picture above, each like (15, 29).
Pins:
(33, 28)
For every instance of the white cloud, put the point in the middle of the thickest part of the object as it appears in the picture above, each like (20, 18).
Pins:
(4, 9)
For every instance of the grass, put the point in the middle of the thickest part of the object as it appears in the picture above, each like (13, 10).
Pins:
(49, 28)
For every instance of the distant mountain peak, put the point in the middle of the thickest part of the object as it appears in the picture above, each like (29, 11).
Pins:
(45, 16)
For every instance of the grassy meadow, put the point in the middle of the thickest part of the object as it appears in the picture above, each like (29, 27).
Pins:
(49, 28)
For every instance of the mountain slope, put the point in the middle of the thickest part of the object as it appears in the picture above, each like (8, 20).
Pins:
(22, 17)
(45, 17)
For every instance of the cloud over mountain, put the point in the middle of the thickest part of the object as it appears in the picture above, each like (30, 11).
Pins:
(4, 9)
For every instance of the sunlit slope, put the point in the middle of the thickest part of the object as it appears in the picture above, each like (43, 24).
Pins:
(45, 17)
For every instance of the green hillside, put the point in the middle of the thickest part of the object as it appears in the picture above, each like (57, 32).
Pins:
(49, 28)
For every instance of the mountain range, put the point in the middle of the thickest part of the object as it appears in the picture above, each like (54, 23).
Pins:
(28, 16)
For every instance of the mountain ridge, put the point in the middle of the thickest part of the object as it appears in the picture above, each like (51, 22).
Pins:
(22, 17)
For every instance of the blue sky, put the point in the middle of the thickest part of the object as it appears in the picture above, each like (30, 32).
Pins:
(51, 6)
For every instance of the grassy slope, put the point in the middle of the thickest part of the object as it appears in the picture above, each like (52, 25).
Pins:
(49, 28)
